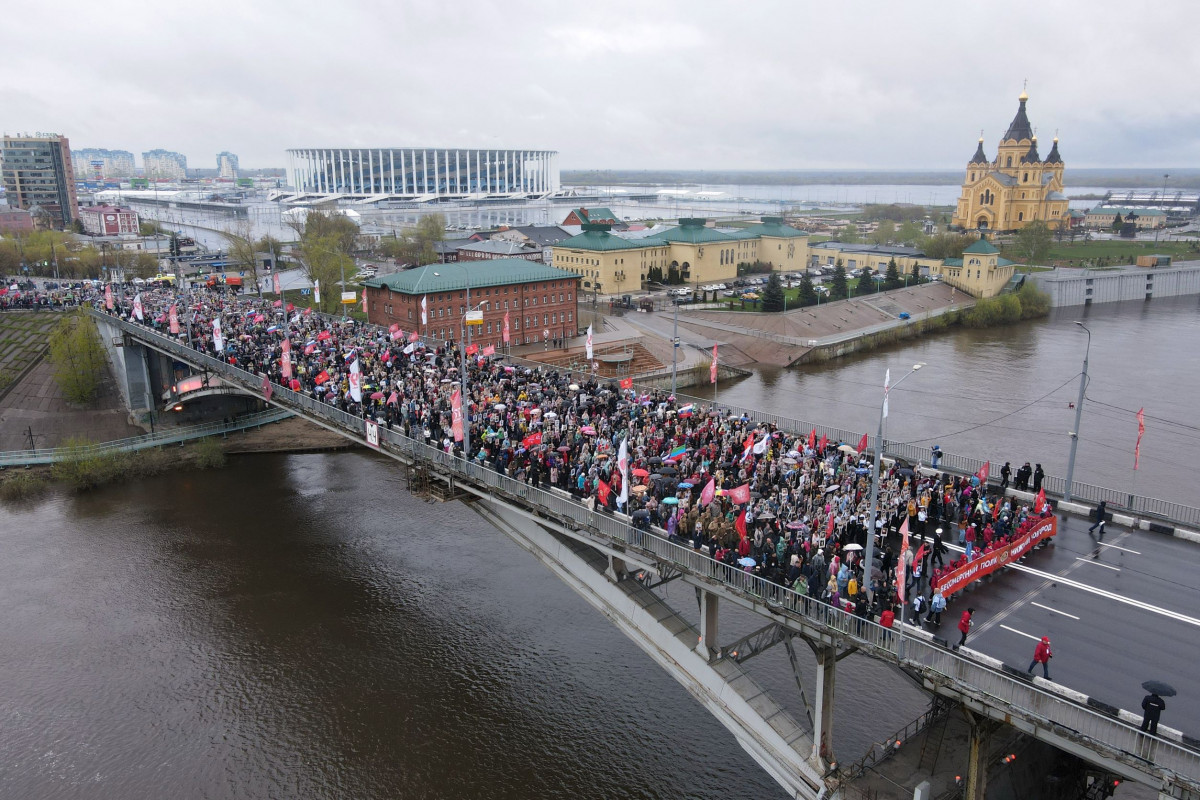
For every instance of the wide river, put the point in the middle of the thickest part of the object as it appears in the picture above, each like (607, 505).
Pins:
(302, 626)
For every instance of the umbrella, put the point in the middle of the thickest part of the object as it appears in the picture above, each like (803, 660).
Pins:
(746, 562)
(1159, 688)
(655, 461)
(845, 448)
(766, 515)
(832, 488)
(756, 495)
(588, 430)
(667, 470)
(685, 485)
(574, 387)
(795, 526)
(601, 455)
(670, 501)
(853, 547)
(638, 489)
(564, 449)
(791, 462)
(640, 473)
(377, 395)
(551, 415)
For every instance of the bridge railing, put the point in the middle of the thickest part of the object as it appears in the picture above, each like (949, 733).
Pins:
(1105, 731)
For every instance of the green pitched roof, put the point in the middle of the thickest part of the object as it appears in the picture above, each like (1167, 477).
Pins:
(476, 274)
(597, 238)
(773, 227)
(587, 215)
(983, 247)
(690, 231)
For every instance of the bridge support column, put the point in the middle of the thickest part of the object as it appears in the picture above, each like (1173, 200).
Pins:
(617, 570)
(708, 644)
(977, 757)
(823, 718)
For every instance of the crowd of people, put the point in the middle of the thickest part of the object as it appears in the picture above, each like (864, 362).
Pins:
(783, 505)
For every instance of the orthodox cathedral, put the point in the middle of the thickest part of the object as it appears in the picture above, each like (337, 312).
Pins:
(1018, 187)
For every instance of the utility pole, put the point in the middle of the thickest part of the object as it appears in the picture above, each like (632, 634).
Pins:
(1078, 416)
(675, 349)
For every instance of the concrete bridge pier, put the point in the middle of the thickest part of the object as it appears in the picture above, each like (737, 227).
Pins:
(982, 729)
(827, 659)
(708, 646)
(130, 361)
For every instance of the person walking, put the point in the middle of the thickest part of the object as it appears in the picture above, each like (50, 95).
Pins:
(937, 604)
(1152, 707)
(1037, 478)
(1042, 655)
(1005, 474)
(964, 626)
(1101, 510)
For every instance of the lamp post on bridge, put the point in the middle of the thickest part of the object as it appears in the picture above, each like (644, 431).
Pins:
(1078, 416)
(869, 553)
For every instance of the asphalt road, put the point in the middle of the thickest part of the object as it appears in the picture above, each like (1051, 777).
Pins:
(1117, 613)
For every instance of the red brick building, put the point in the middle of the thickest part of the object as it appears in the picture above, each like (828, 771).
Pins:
(540, 302)
(589, 216)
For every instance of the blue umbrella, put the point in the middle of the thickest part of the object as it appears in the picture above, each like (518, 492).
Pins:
(746, 562)
(685, 485)
(670, 501)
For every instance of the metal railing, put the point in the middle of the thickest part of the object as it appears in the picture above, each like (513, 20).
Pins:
(1101, 732)
(51, 455)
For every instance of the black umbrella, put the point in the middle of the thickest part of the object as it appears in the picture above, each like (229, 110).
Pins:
(667, 470)
(655, 461)
(1159, 688)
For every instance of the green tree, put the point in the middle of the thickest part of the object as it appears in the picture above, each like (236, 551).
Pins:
(866, 281)
(773, 293)
(269, 244)
(848, 234)
(417, 246)
(243, 250)
(1117, 223)
(77, 357)
(909, 232)
(808, 294)
(891, 278)
(324, 262)
(840, 287)
(1033, 242)
(884, 232)
(947, 245)
(916, 273)
(149, 227)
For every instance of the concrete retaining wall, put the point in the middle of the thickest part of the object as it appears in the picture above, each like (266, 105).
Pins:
(1077, 287)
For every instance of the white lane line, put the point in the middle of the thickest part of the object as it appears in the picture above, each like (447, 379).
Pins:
(1055, 610)
(1118, 547)
(1020, 633)
(1098, 564)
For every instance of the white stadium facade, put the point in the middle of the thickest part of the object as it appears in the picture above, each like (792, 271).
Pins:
(422, 174)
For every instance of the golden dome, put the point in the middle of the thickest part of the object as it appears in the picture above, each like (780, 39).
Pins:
(1024, 96)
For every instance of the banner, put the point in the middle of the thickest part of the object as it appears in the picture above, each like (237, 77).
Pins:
(985, 565)
(862, 444)
(424, 310)
(173, 317)
(355, 382)
(532, 440)
(320, 377)
(623, 466)
(588, 344)
(137, 307)
(708, 492)
(218, 337)
(983, 473)
(108, 297)
(317, 292)
(506, 327)
(456, 415)
(887, 383)
(712, 370)
(1137, 448)
(285, 361)
(602, 491)
(275, 283)
(373, 434)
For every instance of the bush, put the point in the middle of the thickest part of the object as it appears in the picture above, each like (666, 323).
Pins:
(82, 469)
(22, 486)
(209, 453)
(1034, 302)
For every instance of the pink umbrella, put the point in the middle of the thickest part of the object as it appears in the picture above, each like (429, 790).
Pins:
(377, 395)
(588, 430)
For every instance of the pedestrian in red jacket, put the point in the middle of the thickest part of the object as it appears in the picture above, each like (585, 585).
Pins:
(964, 627)
(1042, 655)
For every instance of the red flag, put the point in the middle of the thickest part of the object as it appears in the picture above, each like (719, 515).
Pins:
(739, 524)
(308, 311)
(295, 385)
(739, 495)
(414, 337)
(310, 349)
(506, 327)
(984, 471)
(266, 387)
(829, 525)
(397, 334)
(490, 350)
(901, 579)
(812, 439)
(323, 335)
(862, 443)
(532, 440)
(920, 554)
(708, 492)
(747, 447)
(320, 377)
(824, 441)
(996, 510)
(472, 349)
(456, 415)
(395, 326)
(602, 491)
(291, 307)
(1137, 448)
(626, 383)
(285, 360)
(712, 370)
(1039, 501)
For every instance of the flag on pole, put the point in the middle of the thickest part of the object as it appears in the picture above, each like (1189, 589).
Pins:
(588, 345)
(285, 361)
(984, 471)
(218, 337)
(708, 492)
(1039, 501)
(506, 327)
(317, 292)
(887, 382)
(137, 307)
(739, 495)
(862, 443)
(812, 439)
(320, 377)
(532, 440)
(456, 415)
(626, 383)
(424, 309)
(173, 316)
(394, 398)
(824, 441)
(490, 350)
(413, 337)
(275, 283)
(676, 454)
(1137, 448)
(747, 447)
(623, 467)
(355, 382)
(602, 491)
(364, 301)
(108, 296)
(712, 370)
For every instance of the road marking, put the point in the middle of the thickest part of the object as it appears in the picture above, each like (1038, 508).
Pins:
(1055, 610)
(1118, 547)
(1098, 564)
(1021, 633)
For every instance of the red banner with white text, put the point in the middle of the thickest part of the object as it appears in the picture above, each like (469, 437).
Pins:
(990, 562)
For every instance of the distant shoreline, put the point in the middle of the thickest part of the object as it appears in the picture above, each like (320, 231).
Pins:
(1110, 178)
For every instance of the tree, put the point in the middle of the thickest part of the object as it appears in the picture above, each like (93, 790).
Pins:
(324, 224)
(243, 251)
(323, 261)
(909, 232)
(1117, 223)
(77, 357)
(891, 278)
(916, 272)
(1033, 242)
(269, 244)
(773, 294)
(808, 294)
(884, 232)
(417, 246)
(840, 286)
(848, 234)
(948, 245)
(866, 281)
(149, 227)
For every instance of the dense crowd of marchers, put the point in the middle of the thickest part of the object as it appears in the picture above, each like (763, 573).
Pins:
(780, 504)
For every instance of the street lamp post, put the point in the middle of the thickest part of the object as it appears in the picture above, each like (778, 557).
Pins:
(675, 348)
(869, 554)
(1163, 204)
(1078, 416)
(464, 401)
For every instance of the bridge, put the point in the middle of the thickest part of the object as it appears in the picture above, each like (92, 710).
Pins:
(617, 568)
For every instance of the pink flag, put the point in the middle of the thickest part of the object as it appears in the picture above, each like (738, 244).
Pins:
(1137, 448)
(414, 337)
(901, 579)
(506, 327)
(739, 495)
(395, 397)
(173, 316)
(472, 349)
(456, 415)
(275, 283)
(364, 301)
(712, 370)
(708, 492)
(490, 350)
(266, 387)
(397, 334)
(285, 361)
(108, 298)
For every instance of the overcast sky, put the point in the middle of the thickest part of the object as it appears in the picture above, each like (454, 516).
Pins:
(644, 85)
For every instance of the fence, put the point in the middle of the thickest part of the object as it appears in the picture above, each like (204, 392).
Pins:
(50, 455)
(1103, 733)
